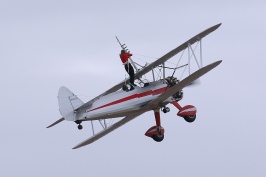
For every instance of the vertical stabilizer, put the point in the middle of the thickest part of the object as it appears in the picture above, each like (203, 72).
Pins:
(68, 102)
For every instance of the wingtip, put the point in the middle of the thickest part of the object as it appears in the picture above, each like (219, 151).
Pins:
(74, 148)
(214, 64)
(84, 143)
(217, 26)
(56, 122)
(220, 61)
(217, 63)
(77, 146)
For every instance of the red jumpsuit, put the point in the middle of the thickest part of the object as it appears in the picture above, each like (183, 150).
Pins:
(128, 67)
(124, 57)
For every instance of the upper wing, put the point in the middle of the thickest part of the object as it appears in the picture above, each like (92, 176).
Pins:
(108, 130)
(157, 62)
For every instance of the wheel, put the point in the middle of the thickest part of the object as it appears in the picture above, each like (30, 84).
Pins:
(166, 110)
(158, 138)
(190, 118)
(80, 127)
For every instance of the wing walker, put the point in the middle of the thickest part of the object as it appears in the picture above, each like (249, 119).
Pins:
(124, 103)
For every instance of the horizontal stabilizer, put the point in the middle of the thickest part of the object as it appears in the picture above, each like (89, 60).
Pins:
(56, 122)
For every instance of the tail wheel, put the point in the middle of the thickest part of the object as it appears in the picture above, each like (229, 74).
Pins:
(190, 118)
(80, 126)
(158, 138)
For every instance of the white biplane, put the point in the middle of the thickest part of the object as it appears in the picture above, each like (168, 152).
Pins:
(119, 101)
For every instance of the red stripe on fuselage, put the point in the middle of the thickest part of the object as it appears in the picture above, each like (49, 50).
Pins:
(138, 95)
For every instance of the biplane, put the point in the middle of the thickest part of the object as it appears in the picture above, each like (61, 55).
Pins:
(121, 101)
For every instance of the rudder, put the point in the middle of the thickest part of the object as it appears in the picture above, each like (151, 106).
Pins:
(68, 102)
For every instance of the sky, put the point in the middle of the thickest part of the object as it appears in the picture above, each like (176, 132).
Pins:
(48, 44)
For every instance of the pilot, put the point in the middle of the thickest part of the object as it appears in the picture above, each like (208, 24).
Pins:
(128, 67)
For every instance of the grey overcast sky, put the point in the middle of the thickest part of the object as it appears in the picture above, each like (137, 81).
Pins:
(47, 44)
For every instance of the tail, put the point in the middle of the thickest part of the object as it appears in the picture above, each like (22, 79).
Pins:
(68, 102)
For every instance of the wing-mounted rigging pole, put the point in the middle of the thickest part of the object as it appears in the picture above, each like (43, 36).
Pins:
(124, 47)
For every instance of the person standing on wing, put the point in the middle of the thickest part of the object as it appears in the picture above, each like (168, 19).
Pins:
(128, 67)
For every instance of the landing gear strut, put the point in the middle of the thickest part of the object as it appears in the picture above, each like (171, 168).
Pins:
(156, 132)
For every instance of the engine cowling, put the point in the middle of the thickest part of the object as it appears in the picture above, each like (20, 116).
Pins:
(171, 81)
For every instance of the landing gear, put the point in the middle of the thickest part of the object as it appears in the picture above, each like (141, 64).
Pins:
(79, 124)
(190, 118)
(187, 112)
(156, 132)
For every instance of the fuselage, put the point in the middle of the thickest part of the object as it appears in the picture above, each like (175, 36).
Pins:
(121, 103)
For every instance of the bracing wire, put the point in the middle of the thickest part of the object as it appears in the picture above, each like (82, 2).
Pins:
(159, 73)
